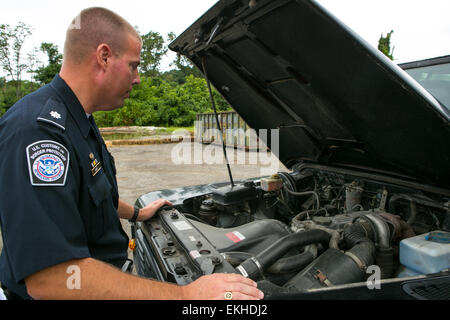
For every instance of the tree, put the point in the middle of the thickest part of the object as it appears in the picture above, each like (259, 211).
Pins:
(45, 74)
(11, 60)
(182, 63)
(2, 95)
(153, 50)
(8, 92)
(158, 102)
(384, 45)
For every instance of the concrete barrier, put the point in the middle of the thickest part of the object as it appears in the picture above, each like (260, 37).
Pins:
(146, 141)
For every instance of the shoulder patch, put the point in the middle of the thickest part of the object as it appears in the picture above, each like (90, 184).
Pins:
(48, 163)
(54, 112)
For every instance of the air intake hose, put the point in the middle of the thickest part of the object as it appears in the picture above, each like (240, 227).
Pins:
(334, 267)
(358, 232)
(291, 264)
(254, 267)
(357, 236)
(371, 229)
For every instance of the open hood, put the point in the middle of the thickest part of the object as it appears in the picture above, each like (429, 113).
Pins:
(336, 100)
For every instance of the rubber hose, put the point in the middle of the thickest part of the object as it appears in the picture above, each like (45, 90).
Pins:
(290, 264)
(356, 233)
(412, 206)
(365, 252)
(283, 265)
(235, 258)
(253, 267)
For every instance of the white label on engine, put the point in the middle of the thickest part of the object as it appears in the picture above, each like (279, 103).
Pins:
(239, 235)
(182, 225)
(195, 254)
(235, 236)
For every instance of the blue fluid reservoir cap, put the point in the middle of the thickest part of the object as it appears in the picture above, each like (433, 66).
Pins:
(438, 236)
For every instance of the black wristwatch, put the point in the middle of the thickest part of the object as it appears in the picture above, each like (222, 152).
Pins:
(135, 215)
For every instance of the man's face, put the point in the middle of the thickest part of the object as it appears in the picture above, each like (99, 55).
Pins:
(122, 75)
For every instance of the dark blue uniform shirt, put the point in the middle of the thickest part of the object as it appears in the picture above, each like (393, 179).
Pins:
(58, 188)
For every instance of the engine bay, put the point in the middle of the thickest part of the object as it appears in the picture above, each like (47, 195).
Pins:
(299, 231)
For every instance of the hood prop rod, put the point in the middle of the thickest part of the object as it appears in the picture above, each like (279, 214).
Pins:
(217, 120)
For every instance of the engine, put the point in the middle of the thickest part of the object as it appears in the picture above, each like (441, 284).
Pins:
(298, 231)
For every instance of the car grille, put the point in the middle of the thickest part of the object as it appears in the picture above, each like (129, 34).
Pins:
(431, 289)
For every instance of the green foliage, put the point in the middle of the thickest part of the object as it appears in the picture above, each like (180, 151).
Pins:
(157, 102)
(153, 50)
(11, 57)
(384, 45)
(169, 99)
(45, 74)
(182, 64)
(174, 75)
(8, 92)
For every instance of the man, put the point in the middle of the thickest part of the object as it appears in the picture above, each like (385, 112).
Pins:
(60, 207)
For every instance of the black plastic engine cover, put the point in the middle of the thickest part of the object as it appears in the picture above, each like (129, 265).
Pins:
(233, 195)
(252, 237)
(180, 252)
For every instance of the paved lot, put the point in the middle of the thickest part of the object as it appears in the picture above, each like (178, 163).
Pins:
(141, 169)
(144, 168)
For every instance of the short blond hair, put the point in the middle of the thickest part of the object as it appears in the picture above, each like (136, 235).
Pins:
(93, 26)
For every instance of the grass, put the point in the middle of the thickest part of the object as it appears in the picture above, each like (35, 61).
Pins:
(169, 130)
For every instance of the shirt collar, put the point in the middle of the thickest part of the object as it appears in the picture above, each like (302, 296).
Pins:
(72, 103)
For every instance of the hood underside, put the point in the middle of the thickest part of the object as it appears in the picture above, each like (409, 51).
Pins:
(292, 66)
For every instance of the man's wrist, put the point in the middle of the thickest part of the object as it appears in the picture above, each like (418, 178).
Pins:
(183, 293)
(135, 215)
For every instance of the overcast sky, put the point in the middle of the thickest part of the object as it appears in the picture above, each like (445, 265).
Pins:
(421, 28)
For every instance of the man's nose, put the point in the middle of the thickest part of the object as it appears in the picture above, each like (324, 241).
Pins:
(137, 79)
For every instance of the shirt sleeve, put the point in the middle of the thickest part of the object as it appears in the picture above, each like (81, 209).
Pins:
(41, 221)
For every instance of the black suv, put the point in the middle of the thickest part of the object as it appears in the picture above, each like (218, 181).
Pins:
(363, 213)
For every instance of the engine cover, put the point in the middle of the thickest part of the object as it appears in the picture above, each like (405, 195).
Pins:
(182, 249)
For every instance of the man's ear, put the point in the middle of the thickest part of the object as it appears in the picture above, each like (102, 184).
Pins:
(104, 53)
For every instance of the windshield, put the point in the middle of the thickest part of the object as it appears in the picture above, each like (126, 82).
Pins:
(436, 79)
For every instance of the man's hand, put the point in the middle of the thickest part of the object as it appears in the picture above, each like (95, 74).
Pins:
(99, 280)
(126, 211)
(214, 287)
(149, 211)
